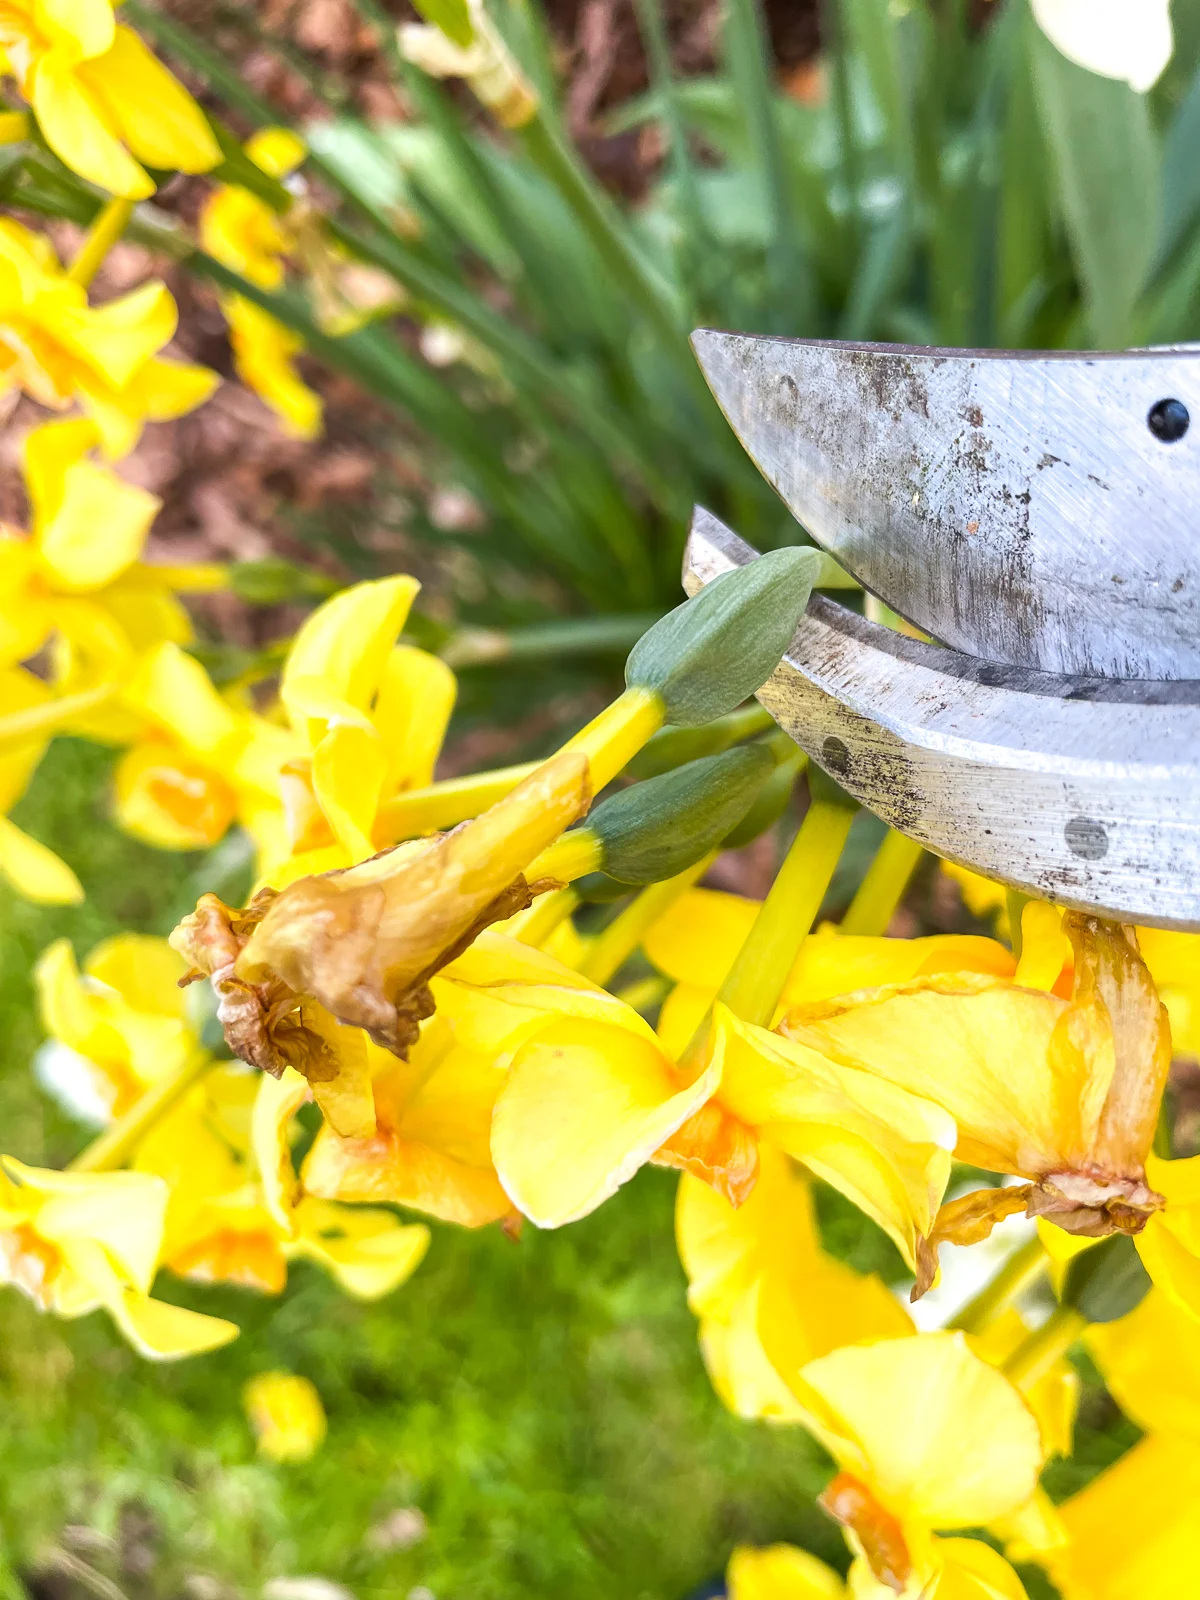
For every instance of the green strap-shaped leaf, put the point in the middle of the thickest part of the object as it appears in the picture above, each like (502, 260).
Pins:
(453, 17)
(1107, 160)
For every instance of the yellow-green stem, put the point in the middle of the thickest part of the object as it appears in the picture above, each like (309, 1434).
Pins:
(757, 978)
(613, 947)
(1021, 1269)
(442, 805)
(646, 992)
(573, 856)
(535, 925)
(118, 1142)
(611, 740)
(883, 887)
(1035, 1356)
(108, 227)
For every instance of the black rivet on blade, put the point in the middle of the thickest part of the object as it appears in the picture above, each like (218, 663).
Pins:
(1168, 420)
(835, 757)
(1086, 838)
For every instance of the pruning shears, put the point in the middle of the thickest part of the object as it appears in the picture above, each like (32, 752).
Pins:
(1037, 517)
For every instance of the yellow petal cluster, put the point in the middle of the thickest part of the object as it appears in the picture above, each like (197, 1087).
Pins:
(241, 230)
(59, 349)
(103, 102)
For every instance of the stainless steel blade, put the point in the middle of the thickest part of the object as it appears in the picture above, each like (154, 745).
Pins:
(1016, 507)
(1082, 791)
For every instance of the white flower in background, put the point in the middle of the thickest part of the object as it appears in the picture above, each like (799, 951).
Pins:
(1128, 39)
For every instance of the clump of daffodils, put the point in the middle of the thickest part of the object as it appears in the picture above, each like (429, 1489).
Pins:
(409, 980)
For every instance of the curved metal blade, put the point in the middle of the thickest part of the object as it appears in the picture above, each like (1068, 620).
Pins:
(1083, 791)
(1016, 507)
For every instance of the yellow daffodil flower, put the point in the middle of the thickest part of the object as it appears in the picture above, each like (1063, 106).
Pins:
(1134, 1529)
(1174, 963)
(286, 1414)
(431, 1150)
(244, 233)
(780, 1572)
(1063, 1093)
(117, 1028)
(103, 102)
(927, 1437)
(585, 1105)
(58, 349)
(229, 1221)
(78, 581)
(697, 940)
(200, 761)
(765, 1292)
(370, 715)
(75, 1241)
(34, 871)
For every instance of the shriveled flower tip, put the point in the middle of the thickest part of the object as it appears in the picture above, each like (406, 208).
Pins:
(361, 944)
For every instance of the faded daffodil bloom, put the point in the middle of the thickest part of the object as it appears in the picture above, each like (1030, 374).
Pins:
(103, 102)
(767, 1296)
(60, 350)
(116, 1028)
(242, 231)
(359, 946)
(1064, 1093)
(231, 1221)
(75, 1241)
(78, 581)
(697, 940)
(199, 760)
(286, 1414)
(34, 871)
(370, 716)
(927, 1438)
(465, 43)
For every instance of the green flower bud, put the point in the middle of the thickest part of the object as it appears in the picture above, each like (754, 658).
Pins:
(658, 828)
(714, 651)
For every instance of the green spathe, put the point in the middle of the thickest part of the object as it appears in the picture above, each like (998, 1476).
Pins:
(659, 828)
(709, 654)
(1107, 1281)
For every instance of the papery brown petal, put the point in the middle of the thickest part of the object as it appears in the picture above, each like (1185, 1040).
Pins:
(968, 1220)
(850, 1502)
(1111, 979)
(716, 1147)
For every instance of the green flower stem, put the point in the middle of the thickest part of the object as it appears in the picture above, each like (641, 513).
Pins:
(1035, 1356)
(757, 978)
(883, 887)
(613, 947)
(442, 805)
(117, 1143)
(1021, 1269)
(108, 227)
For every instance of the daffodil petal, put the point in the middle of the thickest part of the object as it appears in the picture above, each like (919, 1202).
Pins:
(348, 769)
(35, 872)
(156, 116)
(584, 1106)
(906, 1415)
(275, 1104)
(780, 1572)
(412, 712)
(95, 498)
(162, 1332)
(972, 1570)
(76, 129)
